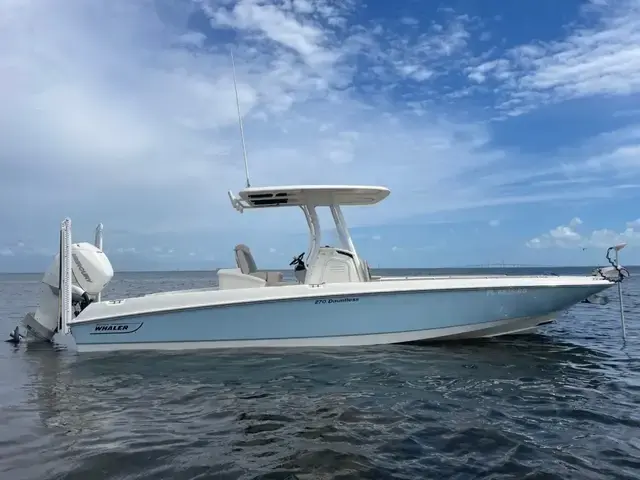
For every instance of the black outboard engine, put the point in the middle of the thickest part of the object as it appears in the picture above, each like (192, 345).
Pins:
(300, 271)
(79, 301)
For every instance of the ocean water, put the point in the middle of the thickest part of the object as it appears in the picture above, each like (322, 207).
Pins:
(561, 404)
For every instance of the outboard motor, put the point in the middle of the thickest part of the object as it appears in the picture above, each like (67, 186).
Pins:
(91, 272)
(300, 271)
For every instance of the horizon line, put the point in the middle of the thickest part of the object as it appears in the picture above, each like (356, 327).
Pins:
(466, 267)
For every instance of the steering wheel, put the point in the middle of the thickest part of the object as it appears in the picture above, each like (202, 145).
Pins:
(298, 260)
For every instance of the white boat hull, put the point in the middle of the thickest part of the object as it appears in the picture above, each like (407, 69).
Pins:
(451, 333)
(337, 301)
(327, 315)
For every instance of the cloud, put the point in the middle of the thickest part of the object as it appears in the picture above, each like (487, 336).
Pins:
(130, 113)
(416, 55)
(634, 224)
(494, 223)
(599, 55)
(568, 236)
(124, 112)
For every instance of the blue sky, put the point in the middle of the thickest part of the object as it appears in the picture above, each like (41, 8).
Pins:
(506, 131)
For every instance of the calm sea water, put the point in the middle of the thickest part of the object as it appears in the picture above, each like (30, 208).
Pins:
(562, 404)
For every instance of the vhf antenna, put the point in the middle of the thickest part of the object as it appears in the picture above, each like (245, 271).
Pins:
(244, 148)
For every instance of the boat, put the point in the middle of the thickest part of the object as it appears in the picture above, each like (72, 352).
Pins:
(333, 300)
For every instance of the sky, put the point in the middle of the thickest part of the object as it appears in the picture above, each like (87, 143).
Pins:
(506, 131)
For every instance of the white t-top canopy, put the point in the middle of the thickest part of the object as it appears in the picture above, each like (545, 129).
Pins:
(317, 195)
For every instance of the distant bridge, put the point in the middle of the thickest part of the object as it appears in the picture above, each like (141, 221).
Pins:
(508, 265)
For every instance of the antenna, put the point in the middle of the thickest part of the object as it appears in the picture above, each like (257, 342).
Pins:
(244, 148)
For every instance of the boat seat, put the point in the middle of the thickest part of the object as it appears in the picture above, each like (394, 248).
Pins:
(247, 265)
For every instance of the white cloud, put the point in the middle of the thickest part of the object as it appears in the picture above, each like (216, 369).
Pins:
(121, 112)
(416, 55)
(606, 238)
(567, 236)
(535, 243)
(600, 55)
(634, 224)
(610, 154)
(111, 100)
(561, 236)
(306, 39)
(494, 223)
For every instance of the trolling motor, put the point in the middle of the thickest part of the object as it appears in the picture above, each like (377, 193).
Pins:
(300, 271)
(614, 273)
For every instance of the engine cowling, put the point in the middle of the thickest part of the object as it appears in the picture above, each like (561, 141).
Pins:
(90, 267)
(91, 273)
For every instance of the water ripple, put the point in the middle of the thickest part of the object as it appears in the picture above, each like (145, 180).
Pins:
(562, 405)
